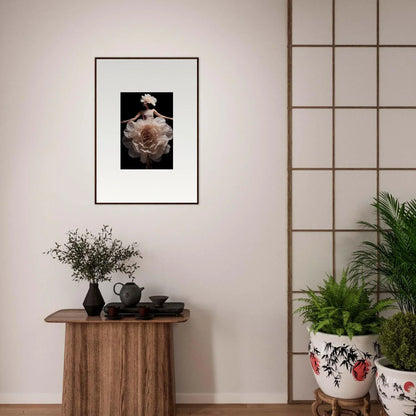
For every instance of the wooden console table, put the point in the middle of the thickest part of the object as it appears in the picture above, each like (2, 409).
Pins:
(117, 368)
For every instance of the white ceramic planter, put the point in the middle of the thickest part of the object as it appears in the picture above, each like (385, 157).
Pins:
(344, 368)
(396, 389)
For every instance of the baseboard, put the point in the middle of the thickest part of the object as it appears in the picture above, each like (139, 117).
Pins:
(240, 398)
(14, 398)
(188, 398)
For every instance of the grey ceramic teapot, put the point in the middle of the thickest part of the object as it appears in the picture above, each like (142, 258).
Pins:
(130, 293)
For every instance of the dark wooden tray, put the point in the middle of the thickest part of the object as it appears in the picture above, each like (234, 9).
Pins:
(168, 309)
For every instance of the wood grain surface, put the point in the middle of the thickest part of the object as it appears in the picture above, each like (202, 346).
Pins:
(118, 370)
(80, 316)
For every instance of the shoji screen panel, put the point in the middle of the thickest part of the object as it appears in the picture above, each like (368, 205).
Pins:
(351, 134)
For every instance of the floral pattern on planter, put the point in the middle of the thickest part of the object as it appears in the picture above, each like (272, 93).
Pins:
(314, 362)
(361, 368)
(343, 368)
(397, 393)
(355, 361)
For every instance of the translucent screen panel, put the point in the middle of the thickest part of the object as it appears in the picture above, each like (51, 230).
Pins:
(354, 192)
(312, 76)
(355, 77)
(356, 22)
(397, 22)
(300, 332)
(398, 76)
(312, 138)
(401, 183)
(312, 21)
(397, 138)
(355, 138)
(304, 382)
(312, 259)
(347, 243)
(312, 199)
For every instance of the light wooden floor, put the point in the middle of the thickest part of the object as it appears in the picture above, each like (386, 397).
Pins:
(185, 410)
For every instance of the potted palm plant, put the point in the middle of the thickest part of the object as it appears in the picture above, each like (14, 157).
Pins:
(344, 323)
(93, 258)
(393, 258)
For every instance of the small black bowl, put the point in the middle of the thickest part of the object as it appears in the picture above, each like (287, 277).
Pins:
(158, 301)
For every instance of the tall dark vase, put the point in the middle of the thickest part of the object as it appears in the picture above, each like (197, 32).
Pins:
(94, 301)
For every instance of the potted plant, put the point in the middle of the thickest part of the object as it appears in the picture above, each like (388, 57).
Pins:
(94, 258)
(396, 372)
(344, 324)
(393, 258)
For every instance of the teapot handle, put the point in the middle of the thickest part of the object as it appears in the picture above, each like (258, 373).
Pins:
(114, 288)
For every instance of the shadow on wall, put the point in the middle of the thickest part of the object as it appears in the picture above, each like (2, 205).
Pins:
(194, 361)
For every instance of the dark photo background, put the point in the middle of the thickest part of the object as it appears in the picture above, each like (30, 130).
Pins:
(130, 105)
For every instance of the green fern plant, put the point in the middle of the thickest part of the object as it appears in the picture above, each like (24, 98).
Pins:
(343, 308)
(393, 258)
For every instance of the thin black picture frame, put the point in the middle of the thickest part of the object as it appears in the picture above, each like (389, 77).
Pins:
(97, 200)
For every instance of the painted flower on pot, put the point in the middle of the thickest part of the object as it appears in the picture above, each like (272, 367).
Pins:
(360, 369)
(344, 323)
(409, 386)
(396, 389)
(396, 378)
(342, 367)
(314, 362)
(335, 358)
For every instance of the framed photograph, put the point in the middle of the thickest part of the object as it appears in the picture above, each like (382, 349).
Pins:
(146, 130)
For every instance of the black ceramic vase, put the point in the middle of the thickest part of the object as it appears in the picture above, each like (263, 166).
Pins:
(94, 301)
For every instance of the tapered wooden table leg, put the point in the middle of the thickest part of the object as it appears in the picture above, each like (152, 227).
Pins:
(119, 368)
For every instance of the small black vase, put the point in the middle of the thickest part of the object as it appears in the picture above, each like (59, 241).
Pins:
(94, 301)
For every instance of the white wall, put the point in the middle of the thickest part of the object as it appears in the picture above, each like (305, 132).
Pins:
(225, 258)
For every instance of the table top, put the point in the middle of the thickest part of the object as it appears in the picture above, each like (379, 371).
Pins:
(79, 316)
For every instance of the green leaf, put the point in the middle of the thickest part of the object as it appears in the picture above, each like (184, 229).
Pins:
(342, 308)
(96, 257)
(398, 341)
(393, 257)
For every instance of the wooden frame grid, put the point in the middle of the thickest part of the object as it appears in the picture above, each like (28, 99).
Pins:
(333, 169)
